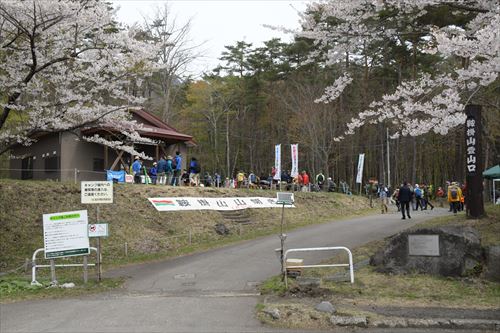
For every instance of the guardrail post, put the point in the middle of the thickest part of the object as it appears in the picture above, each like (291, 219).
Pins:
(285, 256)
(26, 265)
(126, 249)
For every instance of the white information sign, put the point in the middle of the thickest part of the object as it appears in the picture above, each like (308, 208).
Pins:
(98, 230)
(97, 192)
(235, 203)
(65, 234)
(284, 198)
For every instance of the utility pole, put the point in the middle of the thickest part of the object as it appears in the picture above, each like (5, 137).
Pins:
(388, 161)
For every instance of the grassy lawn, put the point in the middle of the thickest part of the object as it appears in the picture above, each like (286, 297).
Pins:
(149, 235)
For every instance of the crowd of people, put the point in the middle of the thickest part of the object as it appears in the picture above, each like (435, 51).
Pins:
(168, 171)
(418, 196)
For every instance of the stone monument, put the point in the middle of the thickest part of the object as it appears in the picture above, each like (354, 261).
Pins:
(446, 251)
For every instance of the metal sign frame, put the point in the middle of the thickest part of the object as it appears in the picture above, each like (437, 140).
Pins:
(284, 198)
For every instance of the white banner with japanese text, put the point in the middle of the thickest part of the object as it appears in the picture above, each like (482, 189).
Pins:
(295, 160)
(277, 161)
(361, 163)
(196, 203)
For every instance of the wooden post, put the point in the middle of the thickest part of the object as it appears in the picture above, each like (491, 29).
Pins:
(474, 162)
(157, 152)
(126, 249)
(98, 261)
(106, 157)
(85, 269)
(53, 271)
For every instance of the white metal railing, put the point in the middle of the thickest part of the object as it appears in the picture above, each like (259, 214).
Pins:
(285, 256)
(53, 265)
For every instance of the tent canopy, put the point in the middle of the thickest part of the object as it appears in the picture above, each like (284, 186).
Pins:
(492, 173)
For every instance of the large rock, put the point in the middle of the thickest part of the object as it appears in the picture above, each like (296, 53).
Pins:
(325, 307)
(492, 271)
(221, 229)
(460, 253)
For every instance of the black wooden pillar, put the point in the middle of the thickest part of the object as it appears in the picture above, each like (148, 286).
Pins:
(474, 162)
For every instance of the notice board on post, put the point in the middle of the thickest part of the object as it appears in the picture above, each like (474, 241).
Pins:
(65, 234)
(96, 192)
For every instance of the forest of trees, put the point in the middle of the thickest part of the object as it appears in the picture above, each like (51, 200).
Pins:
(265, 95)
(385, 78)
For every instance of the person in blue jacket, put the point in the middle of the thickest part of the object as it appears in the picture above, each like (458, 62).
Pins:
(177, 169)
(136, 170)
(153, 173)
(162, 168)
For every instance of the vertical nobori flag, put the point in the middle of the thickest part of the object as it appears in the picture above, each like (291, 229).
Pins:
(295, 160)
(361, 162)
(277, 161)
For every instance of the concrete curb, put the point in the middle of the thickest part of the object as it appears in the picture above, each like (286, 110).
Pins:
(399, 322)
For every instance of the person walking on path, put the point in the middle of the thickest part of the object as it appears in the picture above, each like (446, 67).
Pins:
(418, 198)
(383, 195)
(394, 197)
(427, 196)
(404, 197)
(454, 196)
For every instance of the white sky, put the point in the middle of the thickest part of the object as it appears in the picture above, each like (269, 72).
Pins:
(220, 23)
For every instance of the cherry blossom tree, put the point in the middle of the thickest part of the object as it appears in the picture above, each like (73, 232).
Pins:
(341, 29)
(65, 65)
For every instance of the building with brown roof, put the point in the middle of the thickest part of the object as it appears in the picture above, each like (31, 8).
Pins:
(64, 156)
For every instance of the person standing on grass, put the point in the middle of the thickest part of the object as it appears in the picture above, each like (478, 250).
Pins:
(169, 170)
(161, 169)
(136, 170)
(194, 172)
(177, 165)
(404, 198)
(153, 173)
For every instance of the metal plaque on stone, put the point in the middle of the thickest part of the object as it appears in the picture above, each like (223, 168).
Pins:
(423, 245)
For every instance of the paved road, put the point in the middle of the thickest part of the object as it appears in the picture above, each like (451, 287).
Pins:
(214, 291)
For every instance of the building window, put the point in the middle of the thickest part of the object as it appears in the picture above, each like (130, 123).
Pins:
(98, 164)
(51, 164)
(27, 168)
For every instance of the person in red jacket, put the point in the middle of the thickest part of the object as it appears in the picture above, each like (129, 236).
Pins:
(305, 181)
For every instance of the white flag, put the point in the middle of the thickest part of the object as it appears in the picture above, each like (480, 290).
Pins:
(295, 160)
(277, 162)
(361, 162)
